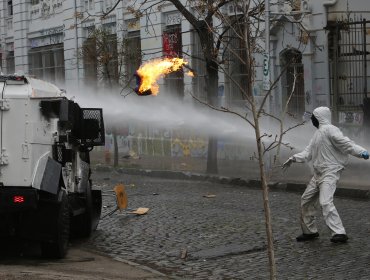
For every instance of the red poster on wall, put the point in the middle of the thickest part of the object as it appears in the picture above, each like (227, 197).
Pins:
(172, 44)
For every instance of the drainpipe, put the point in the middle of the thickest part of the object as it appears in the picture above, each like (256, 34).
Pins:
(76, 29)
(327, 4)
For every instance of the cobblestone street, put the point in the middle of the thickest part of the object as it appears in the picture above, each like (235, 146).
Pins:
(190, 236)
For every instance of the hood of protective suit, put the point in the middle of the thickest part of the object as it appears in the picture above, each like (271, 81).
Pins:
(323, 115)
(329, 148)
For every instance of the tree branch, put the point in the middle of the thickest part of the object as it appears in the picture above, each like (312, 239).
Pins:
(222, 109)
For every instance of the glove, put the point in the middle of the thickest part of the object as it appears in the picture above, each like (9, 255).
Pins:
(288, 163)
(365, 155)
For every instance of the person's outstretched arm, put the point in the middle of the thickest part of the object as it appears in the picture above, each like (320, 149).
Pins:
(303, 156)
(346, 145)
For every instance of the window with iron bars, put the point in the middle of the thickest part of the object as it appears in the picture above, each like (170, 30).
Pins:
(174, 82)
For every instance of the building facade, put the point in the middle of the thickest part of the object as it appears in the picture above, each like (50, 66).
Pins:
(44, 38)
(319, 50)
(325, 47)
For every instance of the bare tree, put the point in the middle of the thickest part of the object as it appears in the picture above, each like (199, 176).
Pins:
(204, 16)
(247, 29)
(217, 32)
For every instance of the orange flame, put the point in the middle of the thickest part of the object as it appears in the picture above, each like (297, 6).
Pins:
(152, 70)
(190, 74)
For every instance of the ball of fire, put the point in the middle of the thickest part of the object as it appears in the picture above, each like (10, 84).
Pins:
(148, 74)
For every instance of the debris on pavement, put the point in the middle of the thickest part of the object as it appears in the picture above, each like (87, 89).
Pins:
(209, 195)
(121, 196)
(184, 253)
(122, 202)
(131, 155)
(140, 211)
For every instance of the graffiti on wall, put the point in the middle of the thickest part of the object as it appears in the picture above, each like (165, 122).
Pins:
(172, 44)
(135, 142)
(190, 147)
(353, 118)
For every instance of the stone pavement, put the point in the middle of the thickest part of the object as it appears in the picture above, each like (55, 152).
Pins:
(187, 235)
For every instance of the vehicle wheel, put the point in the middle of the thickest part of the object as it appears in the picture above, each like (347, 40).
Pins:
(58, 247)
(83, 224)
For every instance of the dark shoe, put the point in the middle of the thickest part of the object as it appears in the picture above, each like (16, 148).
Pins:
(306, 237)
(339, 238)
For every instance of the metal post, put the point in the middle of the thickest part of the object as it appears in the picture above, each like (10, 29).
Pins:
(266, 76)
(266, 59)
(335, 75)
(267, 28)
(364, 62)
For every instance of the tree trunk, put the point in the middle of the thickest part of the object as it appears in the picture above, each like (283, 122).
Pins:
(212, 90)
(115, 148)
(265, 191)
(212, 167)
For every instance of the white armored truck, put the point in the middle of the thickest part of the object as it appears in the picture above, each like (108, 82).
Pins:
(46, 192)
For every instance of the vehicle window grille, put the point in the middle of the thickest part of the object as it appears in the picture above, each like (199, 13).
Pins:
(92, 121)
(58, 152)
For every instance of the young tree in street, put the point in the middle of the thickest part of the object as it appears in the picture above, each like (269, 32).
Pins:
(248, 30)
(217, 34)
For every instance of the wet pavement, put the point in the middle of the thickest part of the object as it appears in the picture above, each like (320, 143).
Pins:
(208, 230)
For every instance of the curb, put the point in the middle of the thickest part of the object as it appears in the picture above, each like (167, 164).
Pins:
(255, 184)
(155, 273)
(142, 267)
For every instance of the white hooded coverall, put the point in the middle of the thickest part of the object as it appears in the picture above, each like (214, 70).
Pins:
(328, 150)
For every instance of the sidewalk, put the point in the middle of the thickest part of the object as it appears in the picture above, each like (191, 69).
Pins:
(80, 263)
(354, 183)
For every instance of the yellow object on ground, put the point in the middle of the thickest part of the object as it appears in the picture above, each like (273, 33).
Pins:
(121, 196)
(140, 211)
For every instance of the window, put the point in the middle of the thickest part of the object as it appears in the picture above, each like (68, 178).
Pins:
(107, 5)
(293, 82)
(133, 56)
(10, 65)
(236, 57)
(100, 58)
(296, 5)
(172, 47)
(88, 5)
(47, 63)
(10, 8)
(110, 71)
(90, 62)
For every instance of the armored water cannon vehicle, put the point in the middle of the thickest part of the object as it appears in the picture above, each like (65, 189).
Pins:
(45, 186)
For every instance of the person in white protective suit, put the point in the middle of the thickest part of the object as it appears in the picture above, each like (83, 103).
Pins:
(328, 150)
